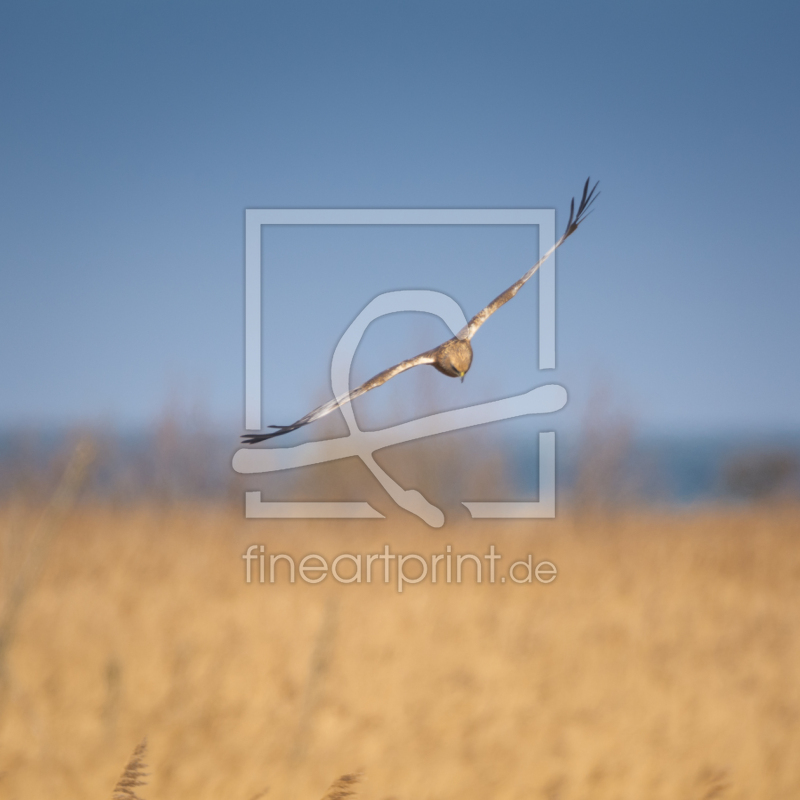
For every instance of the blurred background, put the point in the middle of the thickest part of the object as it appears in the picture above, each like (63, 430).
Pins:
(134, 135)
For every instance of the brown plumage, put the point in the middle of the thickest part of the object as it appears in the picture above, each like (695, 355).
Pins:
(453, 357)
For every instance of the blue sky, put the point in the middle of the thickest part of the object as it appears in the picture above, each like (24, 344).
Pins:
(135, 134)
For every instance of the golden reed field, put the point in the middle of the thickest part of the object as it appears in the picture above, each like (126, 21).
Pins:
(663, 661)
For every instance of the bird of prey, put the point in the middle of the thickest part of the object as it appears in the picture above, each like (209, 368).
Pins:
(453, 357)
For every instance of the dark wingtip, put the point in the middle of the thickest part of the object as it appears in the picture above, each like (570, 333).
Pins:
(571, 213)
(279, 430)
(587, 198)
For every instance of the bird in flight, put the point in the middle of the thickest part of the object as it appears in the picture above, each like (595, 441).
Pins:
(453, 357)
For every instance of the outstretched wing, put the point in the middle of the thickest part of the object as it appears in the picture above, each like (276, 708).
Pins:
(574, 220)
(331, 405)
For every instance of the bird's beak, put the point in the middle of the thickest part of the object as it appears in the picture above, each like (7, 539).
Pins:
(462, 374)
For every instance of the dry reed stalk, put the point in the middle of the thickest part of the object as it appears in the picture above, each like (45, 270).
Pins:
(50, 523)
(603, 482)
(111, 706)
(343, 787)
(131, 778)
(320, 662)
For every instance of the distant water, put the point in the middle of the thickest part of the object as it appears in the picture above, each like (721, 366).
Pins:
(675, 470)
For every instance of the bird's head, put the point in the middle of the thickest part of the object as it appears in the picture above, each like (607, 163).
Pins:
(456, 359)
